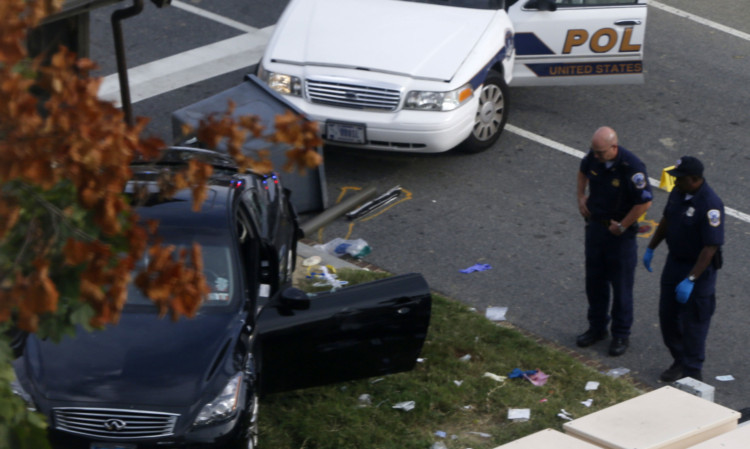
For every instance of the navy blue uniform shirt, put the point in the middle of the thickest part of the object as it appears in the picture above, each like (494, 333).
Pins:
(614, 190)
(694, 222)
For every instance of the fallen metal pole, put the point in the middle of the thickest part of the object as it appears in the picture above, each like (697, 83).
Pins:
(336, 211)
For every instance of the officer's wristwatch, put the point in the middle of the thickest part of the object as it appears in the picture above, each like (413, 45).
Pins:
(691, 278)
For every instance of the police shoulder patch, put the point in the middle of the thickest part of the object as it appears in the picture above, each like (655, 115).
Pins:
(714, 217)
(639, 180)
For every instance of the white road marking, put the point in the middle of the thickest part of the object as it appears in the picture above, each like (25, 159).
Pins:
(215, 17)
(701, 20)
(580, 154)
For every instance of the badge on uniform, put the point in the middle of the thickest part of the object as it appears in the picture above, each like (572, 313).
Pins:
(714, 217)
(690, 211)
(639, 179)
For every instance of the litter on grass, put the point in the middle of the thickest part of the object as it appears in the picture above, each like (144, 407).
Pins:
(364, 400)
(465, 358)
(617, 372)
(592, 385)
(440, 434)
(405, 406)
(519, 414)
(538, 378)
(518, 373)
(565, 415)
(495, 377)
(496, 313)
(588, 402)
(481, 434)
(439, 445)
(458, 382)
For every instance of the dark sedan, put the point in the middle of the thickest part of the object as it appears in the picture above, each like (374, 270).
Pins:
(149, 382)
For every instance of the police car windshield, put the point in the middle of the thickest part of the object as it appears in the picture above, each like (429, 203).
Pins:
(217, 268)
(473, 4)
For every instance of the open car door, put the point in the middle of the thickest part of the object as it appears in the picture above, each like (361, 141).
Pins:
(360, 331)
(571, 42)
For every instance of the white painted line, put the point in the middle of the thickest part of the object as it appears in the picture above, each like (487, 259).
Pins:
(211, 16)
(199, 64)
(701, 20)
(580, 154)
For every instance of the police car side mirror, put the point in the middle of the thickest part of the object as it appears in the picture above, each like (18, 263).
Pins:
(295, 299)
(541, 5)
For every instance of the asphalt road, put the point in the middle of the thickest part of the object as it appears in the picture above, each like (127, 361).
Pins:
(513, 207)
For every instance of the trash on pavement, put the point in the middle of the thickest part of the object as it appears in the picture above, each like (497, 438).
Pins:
(496, 313)
(375, 204)
(476, 267)
(338, 247)
(725, 378)
(617, 372)
(591, 385)
(465, 358)
(588, 402)
(405, 406)
(538, 378)
(519, 414)
(495, 377)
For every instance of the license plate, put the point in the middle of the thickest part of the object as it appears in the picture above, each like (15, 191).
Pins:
(112, 446)
(346, 132)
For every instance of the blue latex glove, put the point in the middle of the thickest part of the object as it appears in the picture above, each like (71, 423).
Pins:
(647, 256)
(683, 290)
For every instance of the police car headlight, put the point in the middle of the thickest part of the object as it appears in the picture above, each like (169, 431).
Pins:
(438, 101)
(281, 83)
(224, 405)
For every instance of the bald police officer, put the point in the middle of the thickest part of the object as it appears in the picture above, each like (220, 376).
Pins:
(618, 194)
(693, 225)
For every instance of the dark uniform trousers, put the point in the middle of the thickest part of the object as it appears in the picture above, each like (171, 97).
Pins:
(610, 262)
(685, 326)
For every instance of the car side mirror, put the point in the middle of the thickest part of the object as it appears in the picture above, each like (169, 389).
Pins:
(541, 5)
(295, 299)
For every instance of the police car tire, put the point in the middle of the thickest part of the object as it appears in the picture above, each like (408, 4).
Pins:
(492, 113)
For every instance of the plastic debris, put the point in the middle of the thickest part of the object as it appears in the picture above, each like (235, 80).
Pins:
(468, 407)
(357, 248)
(465, 358)
(328, 277)
(496, 313)
(518, 373)
(538, 378)
(421, 359)
(543, 400)
(374, 381)
(476, 267)
(565, 415)
(617, 372)
(405, 406)
(725, 378)
(495, 377)
(458, 382)
(519, 414)
(311, 261)
(591, 385)
(441, 434)
(481, 434)
(439, 445)
(588, 402)
(364, 400)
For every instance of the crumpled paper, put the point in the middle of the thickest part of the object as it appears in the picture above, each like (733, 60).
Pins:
(476, 267)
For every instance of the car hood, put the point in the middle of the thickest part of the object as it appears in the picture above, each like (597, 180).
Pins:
(414, 39)
(142, 360)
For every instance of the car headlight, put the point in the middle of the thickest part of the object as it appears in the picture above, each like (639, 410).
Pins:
(438, 101)
(281, 83)
(224, 405)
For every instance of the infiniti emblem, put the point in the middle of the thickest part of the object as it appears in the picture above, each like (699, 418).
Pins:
(114, 425)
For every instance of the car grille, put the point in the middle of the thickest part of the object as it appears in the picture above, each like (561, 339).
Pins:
(353, 96)
(111, 423)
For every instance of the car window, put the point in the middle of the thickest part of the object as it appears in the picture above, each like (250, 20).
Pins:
(473, 4)
(217, 268)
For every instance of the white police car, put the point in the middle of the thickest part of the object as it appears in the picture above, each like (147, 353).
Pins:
(430, 75)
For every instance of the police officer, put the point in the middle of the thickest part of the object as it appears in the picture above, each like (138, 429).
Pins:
(619, 193)
(694, 228)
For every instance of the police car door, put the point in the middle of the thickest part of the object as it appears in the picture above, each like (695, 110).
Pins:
(569, 42)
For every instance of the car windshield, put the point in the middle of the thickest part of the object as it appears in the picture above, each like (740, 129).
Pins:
(217, 267)
(474, 4)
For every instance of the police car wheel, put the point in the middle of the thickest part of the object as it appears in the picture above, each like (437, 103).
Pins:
(491, 116)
